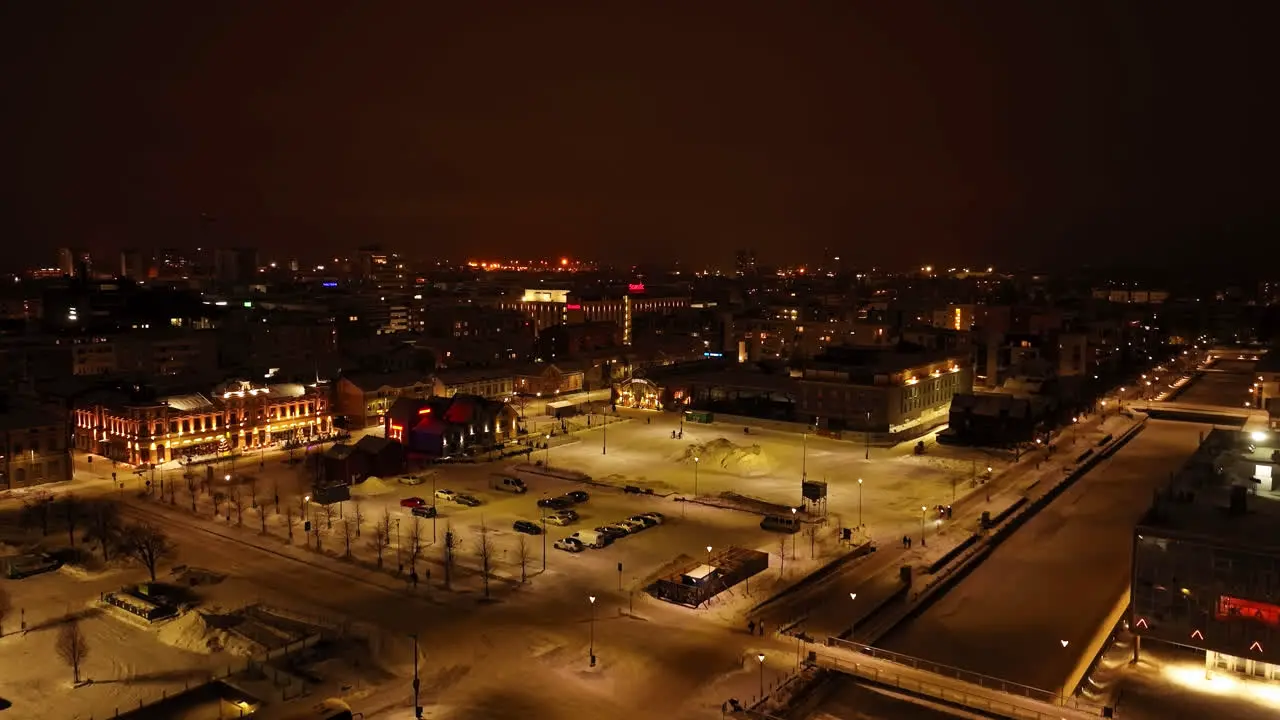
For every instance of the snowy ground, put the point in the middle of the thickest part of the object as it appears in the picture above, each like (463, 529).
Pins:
(522, 653)
(1071, 564)
(1170, 682)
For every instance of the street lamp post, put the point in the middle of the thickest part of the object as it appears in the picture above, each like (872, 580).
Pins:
(866, 435)
(544, 537)
(760, 657)
(547, 455)
(592, 646)
(793, 536)
(708, 556)
(923, 542)
(417, 709)
(804, 456)
(604, 434)
(399, 561)
(434, 511)
(696, 462)
(859, 503)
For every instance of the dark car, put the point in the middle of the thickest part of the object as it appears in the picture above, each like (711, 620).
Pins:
(578, 496)
(424, 511)
(611, 532)
(555, 503)
(526, 527)
(645, 519)
(412, 502)
(468, 500)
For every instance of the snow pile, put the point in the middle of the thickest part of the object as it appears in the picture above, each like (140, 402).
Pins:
(192, 631)
(724, 455)
(371, 487)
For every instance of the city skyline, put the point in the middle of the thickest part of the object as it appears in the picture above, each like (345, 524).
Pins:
(1023, 134)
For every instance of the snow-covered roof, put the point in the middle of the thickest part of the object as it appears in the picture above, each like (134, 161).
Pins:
(189, 403)
(700, 573)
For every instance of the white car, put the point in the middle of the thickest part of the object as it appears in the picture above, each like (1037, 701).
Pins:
(560, 520)
(632, 526)
(569, 544)
(445, 494)
(411, 480)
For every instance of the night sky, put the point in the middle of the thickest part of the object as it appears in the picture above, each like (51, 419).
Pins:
(890, 132)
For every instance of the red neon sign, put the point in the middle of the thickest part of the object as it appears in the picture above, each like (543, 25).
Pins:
(573, 306)
(636, 287)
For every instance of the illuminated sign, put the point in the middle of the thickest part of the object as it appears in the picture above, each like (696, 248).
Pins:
(425, 411)
(573, 306)
(713, 354)
(329, 284)
(635, 287)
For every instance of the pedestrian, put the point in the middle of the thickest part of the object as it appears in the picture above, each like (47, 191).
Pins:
(761, 628)
(751, 627)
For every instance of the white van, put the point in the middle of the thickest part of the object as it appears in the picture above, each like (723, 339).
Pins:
(590, 538)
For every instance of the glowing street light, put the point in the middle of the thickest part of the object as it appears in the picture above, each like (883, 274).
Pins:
(923, 510)
(859, 502)
(760, 657)
(592, 645)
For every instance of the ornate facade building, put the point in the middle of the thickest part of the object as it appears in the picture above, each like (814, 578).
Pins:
(238, 416)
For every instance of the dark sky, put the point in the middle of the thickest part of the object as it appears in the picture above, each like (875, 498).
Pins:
(892, 132)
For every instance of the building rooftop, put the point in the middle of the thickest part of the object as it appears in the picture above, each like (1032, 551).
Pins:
(1227, 493)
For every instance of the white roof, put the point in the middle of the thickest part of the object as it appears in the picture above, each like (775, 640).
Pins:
(700, 572)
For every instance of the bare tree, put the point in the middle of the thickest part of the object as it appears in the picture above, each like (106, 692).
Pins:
(415, 544)
(105, 526)
(217, 501)
(275, 494)
(173, 488)
(315, 529)
(290, 520)
(782, 556)
(253, 490)
(39, 507)
(484, 549)
(237, 502)
(147, 544)
(5, 605)
(522, 553)
(358, 515)
(448, 547)
(330, 511)
(381, 539)
(72, 647)
(71, 512)
(192, 486)
(347, 533)
(262, 516)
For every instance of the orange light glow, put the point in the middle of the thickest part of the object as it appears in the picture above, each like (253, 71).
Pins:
(564, 261)
(424, 411)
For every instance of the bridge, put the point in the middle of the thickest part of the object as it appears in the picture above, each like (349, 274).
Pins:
(1195, 412)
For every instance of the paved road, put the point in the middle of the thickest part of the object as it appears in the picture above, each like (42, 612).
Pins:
(1054, 579)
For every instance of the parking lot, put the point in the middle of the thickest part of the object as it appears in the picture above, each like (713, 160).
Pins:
(640, 553)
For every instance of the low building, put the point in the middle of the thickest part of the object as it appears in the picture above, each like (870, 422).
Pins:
(458, 425)
(34, 445)
(361, 399)
(1206, 556)
(136, 425)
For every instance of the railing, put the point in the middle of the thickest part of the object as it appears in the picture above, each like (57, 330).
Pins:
(984, 681)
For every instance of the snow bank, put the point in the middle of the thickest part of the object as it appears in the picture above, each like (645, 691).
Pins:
(371, 487)
(192, 631)
(723, 454)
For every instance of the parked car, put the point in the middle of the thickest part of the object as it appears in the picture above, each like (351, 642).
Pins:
(509, 484)
(560, 520)
(632, 526)
(656, 516)
(411, 480)
(591, 538)
(567, 512)
(612, 532)
(578, 496)
(412, 502)
(643, 520)
(468, 500)
(445, 494)
(526, 527)
(570, 544)
(424, 511)
(557, 503)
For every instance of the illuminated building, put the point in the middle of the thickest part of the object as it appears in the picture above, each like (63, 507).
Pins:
(1206, 569)
(563, 307)
(237, 416)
